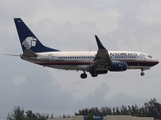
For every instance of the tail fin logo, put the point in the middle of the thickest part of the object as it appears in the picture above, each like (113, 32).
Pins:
(29, 42)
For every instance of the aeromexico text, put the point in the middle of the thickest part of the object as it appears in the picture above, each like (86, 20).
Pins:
(123, 54)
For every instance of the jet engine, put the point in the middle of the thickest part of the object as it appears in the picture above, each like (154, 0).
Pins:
(118, 66)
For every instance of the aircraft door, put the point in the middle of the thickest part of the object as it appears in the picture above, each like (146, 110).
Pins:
(142, 57)
(50, 57)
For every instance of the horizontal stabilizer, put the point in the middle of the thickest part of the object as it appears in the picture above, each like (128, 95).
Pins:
(11, 55)
(29, 53)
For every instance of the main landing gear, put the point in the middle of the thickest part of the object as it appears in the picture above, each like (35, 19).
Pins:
(94, 74)
(142, 73)
(83, 75)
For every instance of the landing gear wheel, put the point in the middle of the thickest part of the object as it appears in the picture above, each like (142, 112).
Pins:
(83, 75)
(94, 74)
(142, 74)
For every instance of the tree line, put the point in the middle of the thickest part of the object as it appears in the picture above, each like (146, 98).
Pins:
(20, 114)
(151, 108)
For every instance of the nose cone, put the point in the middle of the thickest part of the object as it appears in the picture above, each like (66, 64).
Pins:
(156, 62)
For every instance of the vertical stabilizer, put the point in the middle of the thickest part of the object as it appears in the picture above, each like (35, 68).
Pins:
(28, 40)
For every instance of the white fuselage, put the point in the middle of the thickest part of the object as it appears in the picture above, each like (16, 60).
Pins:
(80, 60)
(94, 62)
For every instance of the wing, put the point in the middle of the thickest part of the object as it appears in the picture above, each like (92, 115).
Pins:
(102, 58)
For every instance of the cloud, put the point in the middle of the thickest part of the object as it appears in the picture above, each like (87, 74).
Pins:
(123, 99)
(18, 80)
(71, 26)
(80, 11)
(96, 98)
(149, 13)
(63, 37)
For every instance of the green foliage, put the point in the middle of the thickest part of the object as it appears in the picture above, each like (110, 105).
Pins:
(65, 116)
(150, 109)
(19, 114)
(90, 116)
(16, 114)
(27, 119)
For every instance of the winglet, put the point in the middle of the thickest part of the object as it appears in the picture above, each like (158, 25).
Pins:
(100, 46)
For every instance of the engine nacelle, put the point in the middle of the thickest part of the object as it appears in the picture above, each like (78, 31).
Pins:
(118, 66)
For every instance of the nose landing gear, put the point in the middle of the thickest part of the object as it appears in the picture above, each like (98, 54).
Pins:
(142, 73)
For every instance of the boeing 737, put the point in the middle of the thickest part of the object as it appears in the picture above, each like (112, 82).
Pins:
(94, 62)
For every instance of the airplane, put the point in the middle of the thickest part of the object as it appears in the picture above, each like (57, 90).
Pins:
(95, 62)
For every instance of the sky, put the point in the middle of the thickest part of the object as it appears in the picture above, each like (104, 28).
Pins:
(130, 25)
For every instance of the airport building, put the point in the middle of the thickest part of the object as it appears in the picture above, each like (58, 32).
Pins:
(107, 117)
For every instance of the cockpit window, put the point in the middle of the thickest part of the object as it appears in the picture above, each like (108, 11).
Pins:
(149, 56)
